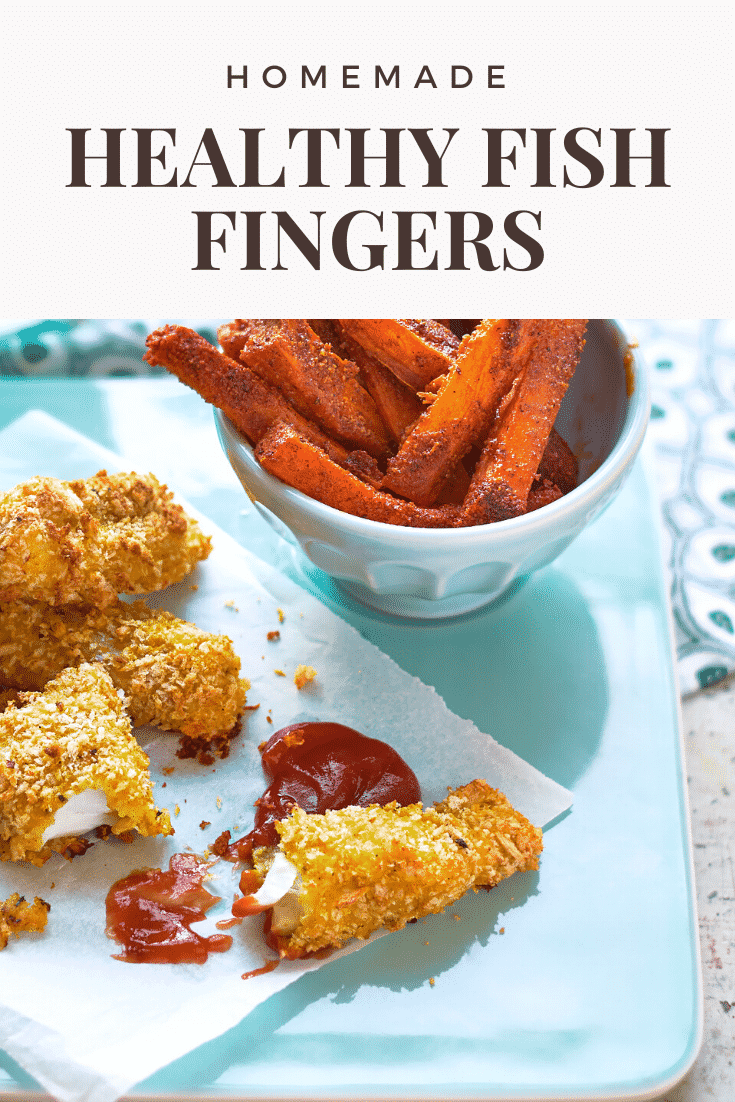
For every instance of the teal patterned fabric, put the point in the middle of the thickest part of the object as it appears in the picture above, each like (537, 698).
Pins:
(692, 365)
(74, 348)
(693, 428)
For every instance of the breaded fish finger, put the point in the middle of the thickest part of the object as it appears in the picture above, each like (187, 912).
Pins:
(88, 540)
(72, 738)
(360, 869)
(174, 675)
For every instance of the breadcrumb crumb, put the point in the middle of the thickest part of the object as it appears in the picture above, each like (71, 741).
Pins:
(17, 916)
(303, 676)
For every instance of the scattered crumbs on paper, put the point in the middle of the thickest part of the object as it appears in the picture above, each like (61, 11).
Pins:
(193, 588)
(53, 884)
(303, 675)
(168, 770)
(251, 707)
(273, 635)
(426, 943)
(457, 918)
(501, 930)
(177, 810)
(431, 981)
(204, 824)
(281, 616)
(163, 784)
(279, 673)
(219, 803)
(232, 605)
(268, 719)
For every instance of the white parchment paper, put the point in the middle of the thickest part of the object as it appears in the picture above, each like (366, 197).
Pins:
(89, 1027)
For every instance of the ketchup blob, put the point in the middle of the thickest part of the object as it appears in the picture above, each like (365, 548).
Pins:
(321, 767)
(150, 913)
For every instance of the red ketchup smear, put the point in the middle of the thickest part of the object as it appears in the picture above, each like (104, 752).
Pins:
(150, 913)
(267, 967)
(318, 767)
(321, 767)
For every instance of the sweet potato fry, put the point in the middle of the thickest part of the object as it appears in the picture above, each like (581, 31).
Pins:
(416, 350)
(295, 460)
(396, 402)
(558, 464)
(315, 380)
(252, 404)
(543, 492)
(462, 326)
(549, 350)
(482, 373)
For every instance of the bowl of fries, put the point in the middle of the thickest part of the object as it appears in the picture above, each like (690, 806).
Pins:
(429, 467)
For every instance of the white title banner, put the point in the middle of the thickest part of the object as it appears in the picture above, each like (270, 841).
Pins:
(311, 160)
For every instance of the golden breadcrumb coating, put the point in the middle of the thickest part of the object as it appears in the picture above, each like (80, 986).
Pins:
(18, 915)
(174, 675)
(8, 696)
(365, 868)
(87, 541)
(73, 736)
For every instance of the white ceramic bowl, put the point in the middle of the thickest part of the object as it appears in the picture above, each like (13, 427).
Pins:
(427, 573)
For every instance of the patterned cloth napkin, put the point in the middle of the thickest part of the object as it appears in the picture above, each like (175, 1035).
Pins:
(692, 365)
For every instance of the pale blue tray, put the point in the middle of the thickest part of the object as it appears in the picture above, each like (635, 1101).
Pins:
(593, 989)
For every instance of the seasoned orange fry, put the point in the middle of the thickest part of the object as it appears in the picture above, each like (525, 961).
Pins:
(397, 404)
(559, 463)
(543, 492)
(550, 350)
(317, 383)
(416, 350)
(482, 373)
(252, 404)
(296, 461)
